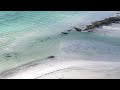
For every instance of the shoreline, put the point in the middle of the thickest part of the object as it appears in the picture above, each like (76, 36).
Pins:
(61, 68)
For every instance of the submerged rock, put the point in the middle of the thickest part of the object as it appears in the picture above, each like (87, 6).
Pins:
(10, 56)
(78, 29)
(42, 41)
(51, 57)
(64, 33)
(69, 30)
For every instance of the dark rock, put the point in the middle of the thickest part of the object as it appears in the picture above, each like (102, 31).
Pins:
(51, 57)
(64, 33)
(118, 13)
(117, 22)
(78, 29)
(8, 55)
(69, 30)
(106, 21)
(90, 27)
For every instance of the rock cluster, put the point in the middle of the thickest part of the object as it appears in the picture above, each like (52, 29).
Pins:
(100, 23)
(106, 21)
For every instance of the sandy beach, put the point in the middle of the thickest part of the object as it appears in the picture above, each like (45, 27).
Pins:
(60, 45)
(60, 68)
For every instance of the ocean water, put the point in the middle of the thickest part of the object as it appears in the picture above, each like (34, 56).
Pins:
(26, 36)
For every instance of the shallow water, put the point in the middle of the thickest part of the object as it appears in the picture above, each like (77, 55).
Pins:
(91, 46)
(28, 36)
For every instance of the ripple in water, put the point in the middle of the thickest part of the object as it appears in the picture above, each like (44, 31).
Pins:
(27, 36)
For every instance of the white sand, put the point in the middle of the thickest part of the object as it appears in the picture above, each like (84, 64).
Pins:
(65, 69)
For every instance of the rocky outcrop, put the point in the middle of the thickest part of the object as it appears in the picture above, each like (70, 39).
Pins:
(106, 21)
(96, 24)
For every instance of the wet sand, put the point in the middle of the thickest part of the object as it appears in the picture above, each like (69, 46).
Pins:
(81, 55)
(60, 68)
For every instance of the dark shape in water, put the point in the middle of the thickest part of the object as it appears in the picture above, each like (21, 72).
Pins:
(78, 29)
(10, 55)
(69, 30)
(42, 41)
(51, 57)
(64, 33)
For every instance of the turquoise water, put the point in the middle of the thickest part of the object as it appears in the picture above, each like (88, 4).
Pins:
(26, 36)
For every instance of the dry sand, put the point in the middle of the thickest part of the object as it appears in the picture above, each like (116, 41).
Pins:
(60, 68)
